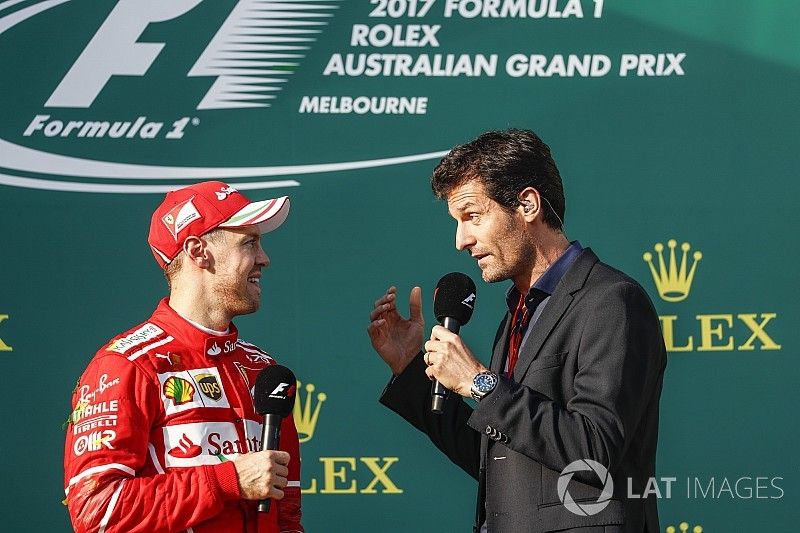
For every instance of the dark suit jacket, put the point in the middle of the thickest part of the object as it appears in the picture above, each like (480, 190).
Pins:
(586, 386)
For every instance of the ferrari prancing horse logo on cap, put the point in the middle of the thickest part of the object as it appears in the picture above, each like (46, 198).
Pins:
(181, 216)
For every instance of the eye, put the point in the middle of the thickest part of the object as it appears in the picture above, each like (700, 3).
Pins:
(474, 217)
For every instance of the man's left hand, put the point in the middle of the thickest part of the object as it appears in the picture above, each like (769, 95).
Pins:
(450, 361)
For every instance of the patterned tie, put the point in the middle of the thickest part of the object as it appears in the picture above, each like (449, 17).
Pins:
(519, 324)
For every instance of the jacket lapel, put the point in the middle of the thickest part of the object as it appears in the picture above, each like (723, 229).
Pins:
(573, 280)
(500, 343)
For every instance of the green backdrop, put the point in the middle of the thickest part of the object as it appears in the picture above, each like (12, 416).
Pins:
(697, 142)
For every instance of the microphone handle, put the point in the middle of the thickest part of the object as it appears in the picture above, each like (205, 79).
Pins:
(439, 392)
(270, 437)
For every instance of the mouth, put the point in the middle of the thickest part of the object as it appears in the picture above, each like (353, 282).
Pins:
(255, 280)
(480, 257)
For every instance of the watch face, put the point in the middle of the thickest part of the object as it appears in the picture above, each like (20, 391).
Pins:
(485, 382)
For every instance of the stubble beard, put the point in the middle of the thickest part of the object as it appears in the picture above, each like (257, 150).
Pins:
(508, 271)
(519, 250)
(235, 298)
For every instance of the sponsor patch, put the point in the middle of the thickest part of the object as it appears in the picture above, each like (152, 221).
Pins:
(84, 410)
(214, 349)
(103, 384)
(210, 386)
(192, 389)
(208, 443)
(97, 440)
(96, 422)
(222, 344)
(178, 390)
(141, 335)
(224, 192)
(186, 448)
(174, 359)
(181, 216)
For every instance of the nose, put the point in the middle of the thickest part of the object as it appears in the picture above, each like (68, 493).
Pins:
(262, 259)
(464, 238)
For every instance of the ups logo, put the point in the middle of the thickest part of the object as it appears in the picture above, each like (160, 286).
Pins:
(209, 386)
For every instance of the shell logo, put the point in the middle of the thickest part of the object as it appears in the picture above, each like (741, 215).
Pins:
(178, 390)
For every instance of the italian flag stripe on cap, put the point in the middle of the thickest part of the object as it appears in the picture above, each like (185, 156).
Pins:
(251, 214)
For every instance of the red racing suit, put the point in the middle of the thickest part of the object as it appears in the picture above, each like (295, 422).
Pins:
(157, 417)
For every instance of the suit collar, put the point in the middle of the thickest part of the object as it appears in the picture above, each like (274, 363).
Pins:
(573, 281)
(575, 278)
(196, 337)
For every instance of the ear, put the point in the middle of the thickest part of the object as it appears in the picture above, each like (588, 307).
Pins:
(197, 252)
(529, 203)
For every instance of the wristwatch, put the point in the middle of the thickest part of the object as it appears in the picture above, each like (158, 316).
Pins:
(483, 384)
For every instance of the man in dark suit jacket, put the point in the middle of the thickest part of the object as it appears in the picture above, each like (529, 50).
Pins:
(575, 377)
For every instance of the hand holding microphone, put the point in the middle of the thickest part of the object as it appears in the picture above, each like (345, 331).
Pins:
(263, 474)
(450, 362)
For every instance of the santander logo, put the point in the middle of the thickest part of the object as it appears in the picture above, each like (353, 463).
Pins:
(209, 442)
(185, 449)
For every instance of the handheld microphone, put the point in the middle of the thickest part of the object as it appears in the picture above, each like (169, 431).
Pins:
(453, 303)
(273, 397)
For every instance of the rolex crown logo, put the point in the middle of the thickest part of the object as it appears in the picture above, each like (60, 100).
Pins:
(673, 281)
(683, 527)
(305, 418)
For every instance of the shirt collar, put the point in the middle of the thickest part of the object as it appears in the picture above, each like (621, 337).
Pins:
(548, 281)
(202, 340)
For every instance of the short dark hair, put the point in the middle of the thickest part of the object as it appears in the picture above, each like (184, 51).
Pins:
(505, 162)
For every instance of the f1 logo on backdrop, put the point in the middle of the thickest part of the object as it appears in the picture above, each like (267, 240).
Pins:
(114, 82)
(242, 55)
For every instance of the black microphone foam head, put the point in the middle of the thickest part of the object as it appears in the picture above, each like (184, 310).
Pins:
(275, 390)
(454, 297)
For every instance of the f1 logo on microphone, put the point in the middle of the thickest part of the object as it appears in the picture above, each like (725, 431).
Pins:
(279, 388)
(279, 391)
(469, 301)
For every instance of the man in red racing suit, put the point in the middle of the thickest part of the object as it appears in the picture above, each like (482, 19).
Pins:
(163, 435)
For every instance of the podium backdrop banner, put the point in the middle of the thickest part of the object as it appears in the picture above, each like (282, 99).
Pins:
(674, 125)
